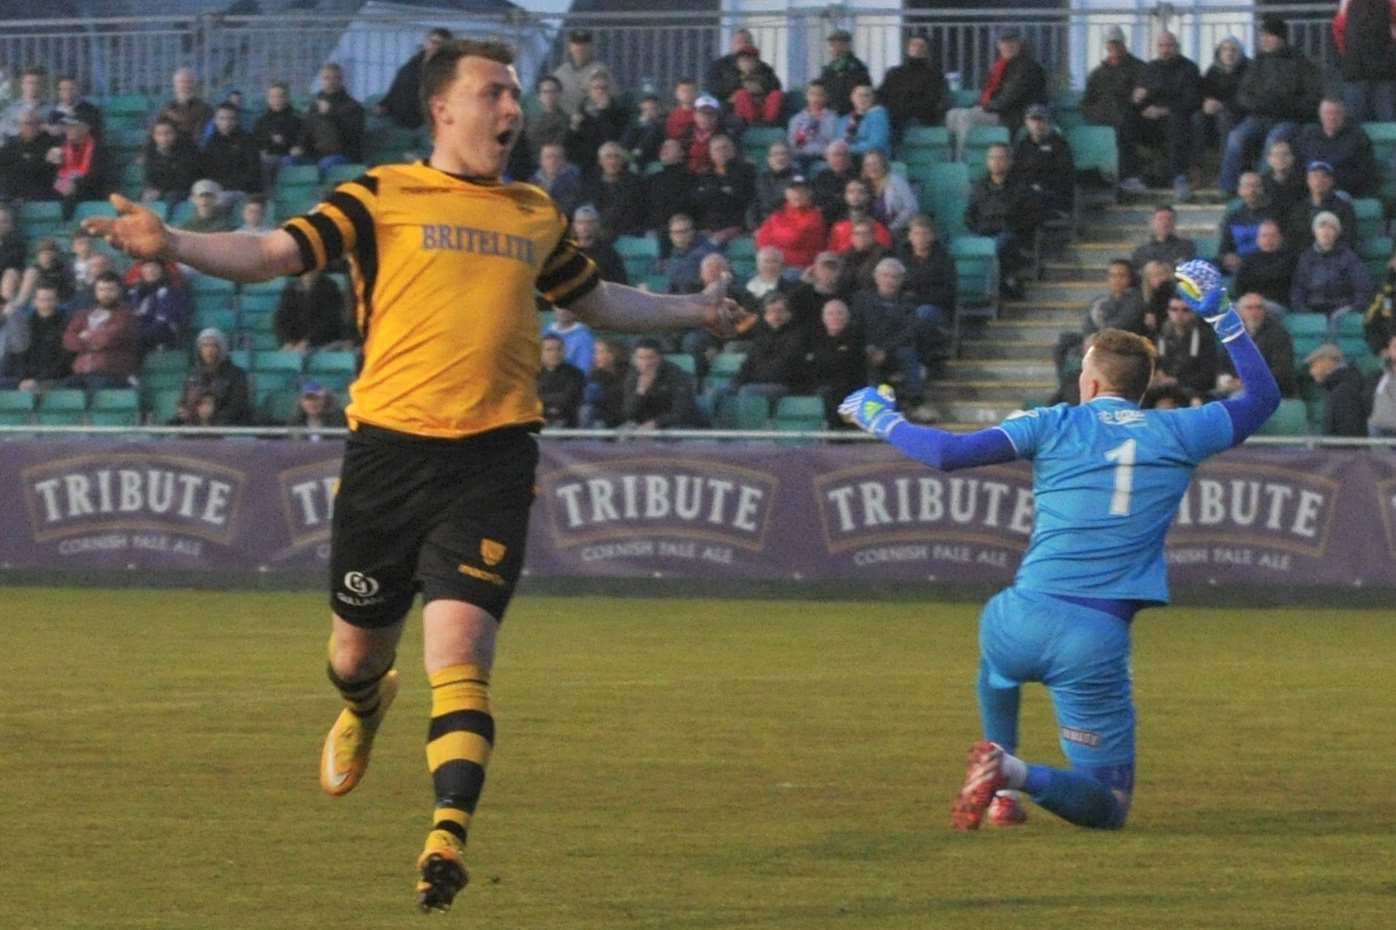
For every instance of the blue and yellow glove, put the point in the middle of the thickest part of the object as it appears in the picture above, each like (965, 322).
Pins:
(1200, 287)
(873, 410)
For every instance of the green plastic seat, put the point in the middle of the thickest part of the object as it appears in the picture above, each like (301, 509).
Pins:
(1291, 419)
(1095, 148)
(321, 363)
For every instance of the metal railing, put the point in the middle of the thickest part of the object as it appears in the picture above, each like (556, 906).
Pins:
(651, 49)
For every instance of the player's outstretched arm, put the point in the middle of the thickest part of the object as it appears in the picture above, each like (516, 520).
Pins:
(138, 232)
(630, 310)
(1200, 287)
(874, 410)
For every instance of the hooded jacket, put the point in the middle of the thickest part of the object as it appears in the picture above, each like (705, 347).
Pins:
(1219, 83)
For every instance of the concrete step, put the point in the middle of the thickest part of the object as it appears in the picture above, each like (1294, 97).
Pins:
(1004, 370)
(1008, 349)
(1065, 313)
(1031, 331)
(1136, 233)
(1074, 290)
(1069, 272)
(1154, 196)
(995, 392)
(1189, 214)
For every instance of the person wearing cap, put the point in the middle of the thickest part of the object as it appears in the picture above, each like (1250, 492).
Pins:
(1015, 82)
(1323, 197)
(310, 313)
(71, 103)
(316, 410)
(814, 127)
(843, 72)
(915, 90)
(210, 213)
(1329, 277)
(1344, 402)
(81, 171)
(577, 70)
(1110, 85)
(707, 123)
(866, 128)
(403, 101)
(1220, 112)
(104, 339)
(1168, 93)
(771, 182)
(1363, 36)
(1280, 90)
(28, 161)
(617, 193)
(797, 228)
(1342, 143)
(186, 109)
(231, 156)
(599, 119)
(1043, 164)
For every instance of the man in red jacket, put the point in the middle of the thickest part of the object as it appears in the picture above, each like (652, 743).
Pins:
(797, 228)
(104, 339)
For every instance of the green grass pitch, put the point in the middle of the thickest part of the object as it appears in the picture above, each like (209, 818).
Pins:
(680, 765)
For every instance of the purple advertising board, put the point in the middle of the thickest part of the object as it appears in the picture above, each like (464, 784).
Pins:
(705, 511)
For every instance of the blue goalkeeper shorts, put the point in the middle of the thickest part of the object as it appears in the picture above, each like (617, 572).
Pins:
(1080, 654)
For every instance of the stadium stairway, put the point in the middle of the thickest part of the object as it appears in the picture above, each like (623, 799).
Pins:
(1007, 364)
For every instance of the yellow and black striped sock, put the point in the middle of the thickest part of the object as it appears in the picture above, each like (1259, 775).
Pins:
(458, 744)
(362, 697)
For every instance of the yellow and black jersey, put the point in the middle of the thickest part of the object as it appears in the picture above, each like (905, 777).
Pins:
(445, 270)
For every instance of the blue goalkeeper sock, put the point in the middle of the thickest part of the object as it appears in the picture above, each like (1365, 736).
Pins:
(1082, 796)
(998, 710)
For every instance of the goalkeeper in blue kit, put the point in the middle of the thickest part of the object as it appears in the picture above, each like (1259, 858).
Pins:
(1107, 481)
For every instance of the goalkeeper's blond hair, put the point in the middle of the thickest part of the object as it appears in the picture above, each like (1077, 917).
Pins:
(1125, 362)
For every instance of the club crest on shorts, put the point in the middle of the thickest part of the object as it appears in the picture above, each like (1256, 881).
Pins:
(492, 551)
(361, 584)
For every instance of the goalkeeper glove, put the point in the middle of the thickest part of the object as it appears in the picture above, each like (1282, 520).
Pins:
(1200, 287)
(873, 410)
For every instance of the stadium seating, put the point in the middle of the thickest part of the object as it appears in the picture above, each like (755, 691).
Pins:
(640, 255)
(743, 412)
(924, 145)
(1291, 419)
(1094, 148)
(724, 368)
(119, 407)
(799, 413)
(345, 172)
(976, 265)
(42, 218)
(741, 254)
(977, 147)
(61, 407)
(683, 360)
(945, 196)
(16, 408)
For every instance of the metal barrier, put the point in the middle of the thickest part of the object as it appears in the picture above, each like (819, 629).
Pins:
(648, 50)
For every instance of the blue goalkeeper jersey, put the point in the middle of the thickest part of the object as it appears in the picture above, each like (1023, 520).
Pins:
(1107, 479)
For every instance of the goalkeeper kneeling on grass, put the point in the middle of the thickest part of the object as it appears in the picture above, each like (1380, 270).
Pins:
(1107, 479)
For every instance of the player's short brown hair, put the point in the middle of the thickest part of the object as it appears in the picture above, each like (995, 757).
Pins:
(440, 71)
(1125, 361)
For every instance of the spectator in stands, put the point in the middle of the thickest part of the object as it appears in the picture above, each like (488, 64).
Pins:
(548, 124)
(714, 271)
(1284, 184)
(670, 189)
(1220, 112)
(1168, 93)
(1343, 144)
(214, 373)
(1377, 322)
(770, 274)
(13, 253)
(1110, 85)
(70, 104)
(254, 215)
(322, 142)
(104, 340)
(722, 195)
(1001, 208)
(14, 344)
(29, 161)
(687, 250)
(1187, 353)
(559, 177)
(617, 194)
(863, 255)
(837, 363)
(81, 166)
(1323, 198)
(187, 110)
(915, 89)
(797, 228)
(1280, 89)
(586, 230)
(1015, 82)
(346, 112)
(814, 127)
(887, 319)
(31, 98)
(1345, 403)
(577, 70)
(1329, 277)
(1274, 342)
(679, 123)
(724, 78)
(1170, 397)
(310, 313)
(1156, 285)
(1067, 356)
(1164, 242)
(92, 269)
(1043, 165)
(316, 411)
(644, 136)
(706, 118)
(775, 364)
(1269, 269)
(210, 214)
(1362, 34)
(820, 283)
(771, 184)
(756, 103)
(931, 279)
(657, 394)
(1382, 421)
(160, 307)
(600, 119)
(50, 268)
(231, 157)
(403, 101)
(170, 164)
(1241, 224)
(1122, 307)
(831, 184)
(866, 128)
(857, 206)
(893, 202)
(278, 130)
(843, 72)
(560, 385)
(578, 341)
(603, 398)
(44, 362)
